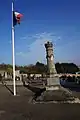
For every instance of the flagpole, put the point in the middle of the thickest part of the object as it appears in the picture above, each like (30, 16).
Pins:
(13, 53)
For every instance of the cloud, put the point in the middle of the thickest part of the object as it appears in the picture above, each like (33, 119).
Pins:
(43, 35)
(36, 49)
(21, 54)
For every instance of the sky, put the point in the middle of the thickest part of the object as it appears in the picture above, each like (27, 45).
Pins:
(57, 21)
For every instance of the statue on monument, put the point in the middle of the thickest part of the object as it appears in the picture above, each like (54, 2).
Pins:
(51, 70)
(50, 58)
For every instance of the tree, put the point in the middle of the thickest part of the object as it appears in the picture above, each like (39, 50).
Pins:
(38, 64)
(66, 68)
(42, 68)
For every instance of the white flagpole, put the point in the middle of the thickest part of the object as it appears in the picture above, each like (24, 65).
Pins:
(13, 53)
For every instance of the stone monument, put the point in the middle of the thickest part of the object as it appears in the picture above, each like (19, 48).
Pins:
(52, 78)
(53, 91)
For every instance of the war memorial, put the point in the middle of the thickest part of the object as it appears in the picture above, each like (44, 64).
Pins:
(53, 91)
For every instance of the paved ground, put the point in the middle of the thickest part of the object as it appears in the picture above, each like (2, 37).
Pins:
(19, 107)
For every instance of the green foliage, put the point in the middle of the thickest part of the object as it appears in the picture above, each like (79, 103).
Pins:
(41, 68)
(9, 70)
(66, 68)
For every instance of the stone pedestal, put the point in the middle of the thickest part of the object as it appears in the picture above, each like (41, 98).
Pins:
(54, 81)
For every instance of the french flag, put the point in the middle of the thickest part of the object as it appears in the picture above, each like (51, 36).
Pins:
(16, 18)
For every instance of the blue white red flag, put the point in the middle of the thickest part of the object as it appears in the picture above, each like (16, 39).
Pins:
(16, 18)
